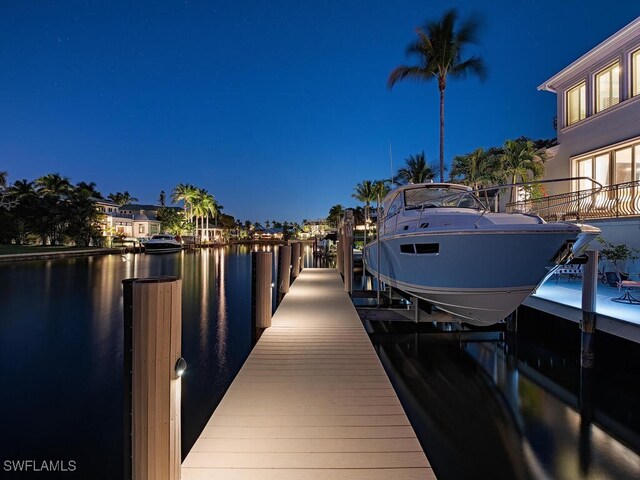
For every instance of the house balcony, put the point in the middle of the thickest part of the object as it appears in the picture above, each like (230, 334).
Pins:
(611, 201)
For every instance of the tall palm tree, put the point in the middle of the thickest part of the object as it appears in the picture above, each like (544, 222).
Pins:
(53, 184)
(365, 192)
(22, 188)
(439, 48)
(122, 198)
(521, 160)
(197, 209)
(416, 170)
(335, 214)
(89, 189)
(209, 207)
(381, 188)
(184, 192)
(477, 169)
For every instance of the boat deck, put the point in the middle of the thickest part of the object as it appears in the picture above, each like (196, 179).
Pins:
(312, 401)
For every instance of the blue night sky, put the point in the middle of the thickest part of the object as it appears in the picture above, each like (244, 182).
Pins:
(278, 108)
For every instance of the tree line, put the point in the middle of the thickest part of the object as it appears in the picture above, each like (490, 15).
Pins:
(519, 160)
(49, 210)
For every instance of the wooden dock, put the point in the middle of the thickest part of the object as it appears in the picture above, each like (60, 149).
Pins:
(312, 401)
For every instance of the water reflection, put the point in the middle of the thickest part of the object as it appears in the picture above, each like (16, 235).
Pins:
(61, 349)
(222, 308)
(486, 409)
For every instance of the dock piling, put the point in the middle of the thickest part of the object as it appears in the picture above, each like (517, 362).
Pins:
(156, 337)
(295, 259)
(262, 293)
(127, 372)
(340, 254)
(588, 323)
(284, 269)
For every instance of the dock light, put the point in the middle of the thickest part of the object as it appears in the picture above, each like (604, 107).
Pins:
(181, 367)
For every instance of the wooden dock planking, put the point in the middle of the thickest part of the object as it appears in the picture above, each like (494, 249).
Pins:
(312, 401)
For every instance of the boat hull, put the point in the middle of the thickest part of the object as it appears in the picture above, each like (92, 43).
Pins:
(480, 279)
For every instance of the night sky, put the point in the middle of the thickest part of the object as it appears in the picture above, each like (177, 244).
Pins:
(278, 108)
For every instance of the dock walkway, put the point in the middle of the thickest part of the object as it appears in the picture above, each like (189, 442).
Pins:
(312, 401)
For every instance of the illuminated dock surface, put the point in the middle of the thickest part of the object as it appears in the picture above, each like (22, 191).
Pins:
(312, 401)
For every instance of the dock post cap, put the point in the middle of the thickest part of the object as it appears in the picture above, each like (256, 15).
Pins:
(160, 279)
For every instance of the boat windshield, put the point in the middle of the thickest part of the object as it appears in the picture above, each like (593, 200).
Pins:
(436, 197)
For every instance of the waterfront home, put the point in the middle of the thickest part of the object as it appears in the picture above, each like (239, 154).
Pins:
(598, 137)
(131, 226)
(136, 209)
(316, 228)
(105, 205)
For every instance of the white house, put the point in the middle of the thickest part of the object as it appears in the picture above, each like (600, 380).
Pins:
(598, 131)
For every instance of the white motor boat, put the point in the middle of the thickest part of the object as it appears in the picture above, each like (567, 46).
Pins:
(163, 243)
(438, 242)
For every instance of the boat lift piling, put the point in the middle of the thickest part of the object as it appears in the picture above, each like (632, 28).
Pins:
(347, 247)
(588, 322)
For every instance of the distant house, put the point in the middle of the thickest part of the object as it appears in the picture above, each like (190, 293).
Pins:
(598, 131)
(132, 222)
(316, 228)
(135, 209)
(132, 226)
(105, 205)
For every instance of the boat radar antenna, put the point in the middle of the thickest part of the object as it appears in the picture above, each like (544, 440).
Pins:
(391, 164)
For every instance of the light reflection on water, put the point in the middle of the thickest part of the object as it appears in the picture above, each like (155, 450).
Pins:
(483, 409)
(61, 349)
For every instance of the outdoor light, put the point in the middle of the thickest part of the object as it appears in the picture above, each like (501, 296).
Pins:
(273, 285)
(181, 367)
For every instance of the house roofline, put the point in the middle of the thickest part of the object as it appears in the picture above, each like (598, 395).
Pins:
(626, 31)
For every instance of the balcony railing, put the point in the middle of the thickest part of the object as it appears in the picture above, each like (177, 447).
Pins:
(612, 201)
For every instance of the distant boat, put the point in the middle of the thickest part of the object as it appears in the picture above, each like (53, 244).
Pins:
(163, 244)
(439, 242)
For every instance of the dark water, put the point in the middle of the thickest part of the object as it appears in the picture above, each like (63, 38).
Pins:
(61, 351)
(484, 404)
(495, 405)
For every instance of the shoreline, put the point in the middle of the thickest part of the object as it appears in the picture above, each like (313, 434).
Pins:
(21, 257)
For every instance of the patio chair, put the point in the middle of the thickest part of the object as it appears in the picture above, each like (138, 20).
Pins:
(627, 297)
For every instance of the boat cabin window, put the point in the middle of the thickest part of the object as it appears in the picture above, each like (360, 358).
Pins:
(395, 206)
(431, 197)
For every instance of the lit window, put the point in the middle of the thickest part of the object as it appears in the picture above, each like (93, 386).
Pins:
(602, 169)
(141, 228)
(637, 155)
(635, 70)
(576, 103)
(585, 171)
(608, 87)
(623, 165)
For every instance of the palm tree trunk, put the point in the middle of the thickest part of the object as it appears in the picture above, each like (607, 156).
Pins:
(208, 237)
(441, 86)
